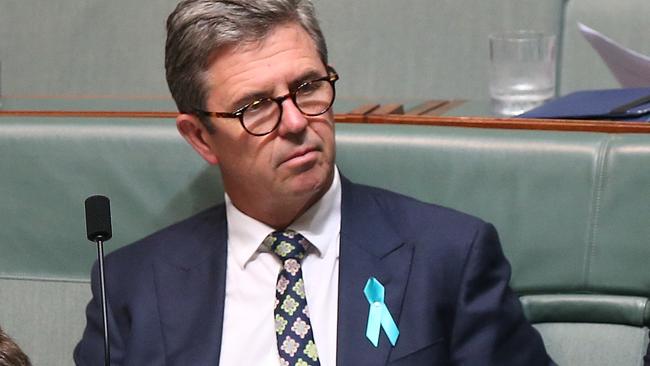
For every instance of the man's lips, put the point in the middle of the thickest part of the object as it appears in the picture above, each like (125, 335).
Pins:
(301, 154)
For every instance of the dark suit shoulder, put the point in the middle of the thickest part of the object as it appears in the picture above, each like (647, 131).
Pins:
(437, 234)
(177, 241)
(411, 215)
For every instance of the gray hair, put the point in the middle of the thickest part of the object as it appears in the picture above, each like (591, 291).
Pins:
(196, 29)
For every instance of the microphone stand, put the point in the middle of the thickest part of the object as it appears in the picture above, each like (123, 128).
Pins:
(98, 228)
(102, 283)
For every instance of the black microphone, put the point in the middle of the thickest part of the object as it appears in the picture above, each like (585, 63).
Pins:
(98, 218)
(98, 229)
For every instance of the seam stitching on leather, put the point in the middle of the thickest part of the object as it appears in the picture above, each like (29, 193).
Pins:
(601, 176)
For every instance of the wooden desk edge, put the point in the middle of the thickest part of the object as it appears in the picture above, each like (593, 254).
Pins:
(476, 122)
(503, 123)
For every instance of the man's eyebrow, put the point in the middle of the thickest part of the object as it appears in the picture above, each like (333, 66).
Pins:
(260, 94)
(249, 98)
(307, 76)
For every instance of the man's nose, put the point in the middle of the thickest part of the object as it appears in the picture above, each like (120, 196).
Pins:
(293, 121)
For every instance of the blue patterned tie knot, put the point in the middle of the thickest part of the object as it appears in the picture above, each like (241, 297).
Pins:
(287, 244)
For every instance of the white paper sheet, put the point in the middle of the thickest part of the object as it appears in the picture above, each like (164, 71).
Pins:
(630, 68)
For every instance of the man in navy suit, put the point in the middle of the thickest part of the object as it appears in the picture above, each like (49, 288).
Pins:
(254, 91)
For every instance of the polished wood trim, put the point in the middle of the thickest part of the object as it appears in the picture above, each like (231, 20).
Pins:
(447, 106)
(88, 114)
(477, 122)
(387, 109)
(516, 123)
(89, 97)
(350, 118)
(426, 107)
(365, 108)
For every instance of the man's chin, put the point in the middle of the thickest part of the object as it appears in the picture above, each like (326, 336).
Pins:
(315, 181)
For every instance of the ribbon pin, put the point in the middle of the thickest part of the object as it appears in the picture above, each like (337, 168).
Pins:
(378, 315)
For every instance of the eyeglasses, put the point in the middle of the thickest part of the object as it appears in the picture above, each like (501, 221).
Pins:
(263, 116)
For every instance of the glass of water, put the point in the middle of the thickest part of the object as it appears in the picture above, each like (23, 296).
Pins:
(522, 71)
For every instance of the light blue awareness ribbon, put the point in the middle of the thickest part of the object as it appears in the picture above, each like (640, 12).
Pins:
(379, 316)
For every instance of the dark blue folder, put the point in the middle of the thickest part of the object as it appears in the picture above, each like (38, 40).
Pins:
(632, 104)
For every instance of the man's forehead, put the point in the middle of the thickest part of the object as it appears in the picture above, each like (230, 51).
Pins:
(286, 55)
(281, 38)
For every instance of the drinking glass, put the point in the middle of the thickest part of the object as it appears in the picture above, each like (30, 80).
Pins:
(522, 71)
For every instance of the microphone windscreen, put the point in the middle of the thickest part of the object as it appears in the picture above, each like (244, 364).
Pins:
(98, 218)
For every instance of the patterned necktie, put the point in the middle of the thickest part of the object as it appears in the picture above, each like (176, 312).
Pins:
(292, 327)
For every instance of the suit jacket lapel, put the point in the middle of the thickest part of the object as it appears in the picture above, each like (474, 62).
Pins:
(369, 248)
(190, 283)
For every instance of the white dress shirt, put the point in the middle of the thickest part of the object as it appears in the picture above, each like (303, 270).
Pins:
(251, 274)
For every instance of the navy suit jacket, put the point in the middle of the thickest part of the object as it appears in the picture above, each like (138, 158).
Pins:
(445, 276)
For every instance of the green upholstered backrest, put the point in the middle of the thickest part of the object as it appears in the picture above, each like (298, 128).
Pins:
(50, 166)
(572, 210)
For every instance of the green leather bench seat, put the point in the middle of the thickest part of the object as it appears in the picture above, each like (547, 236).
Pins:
(572, 210)
(587, 308)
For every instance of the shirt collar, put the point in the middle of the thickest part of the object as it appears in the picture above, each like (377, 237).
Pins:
(320, 224)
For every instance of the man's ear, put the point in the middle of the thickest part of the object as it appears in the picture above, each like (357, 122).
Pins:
(196, 134)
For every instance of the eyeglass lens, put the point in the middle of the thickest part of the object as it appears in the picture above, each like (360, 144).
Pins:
(312, 99)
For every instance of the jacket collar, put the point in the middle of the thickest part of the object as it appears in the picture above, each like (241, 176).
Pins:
(370, 247)
(190, 282)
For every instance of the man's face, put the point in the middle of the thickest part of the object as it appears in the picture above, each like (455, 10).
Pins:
(294, 163)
